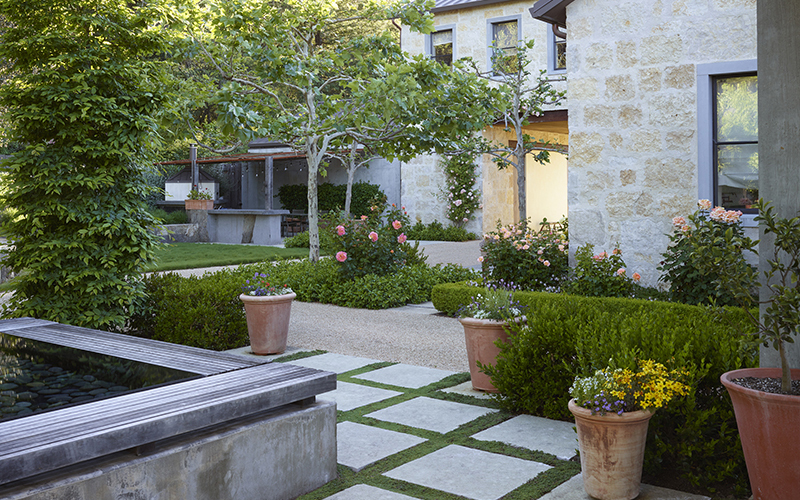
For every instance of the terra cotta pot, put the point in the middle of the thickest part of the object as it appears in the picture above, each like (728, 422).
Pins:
(268, 321)
(612, 451)
(481, 335)
(199, 204)
(769, 426)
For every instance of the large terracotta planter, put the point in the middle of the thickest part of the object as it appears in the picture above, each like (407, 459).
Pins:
(199, 204)
(769, 426)
(268, 321)
(612, 451)
(481, 335)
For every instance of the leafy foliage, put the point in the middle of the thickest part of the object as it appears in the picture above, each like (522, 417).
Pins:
(534, 260)
(600, 275)
(463, 198)
(436, 232)
(690, 273)
(332, 197)
(81, 98)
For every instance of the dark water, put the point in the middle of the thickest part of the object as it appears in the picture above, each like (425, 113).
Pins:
(38, 376)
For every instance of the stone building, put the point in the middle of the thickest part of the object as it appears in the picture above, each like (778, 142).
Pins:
(467, 28)
(662, 104)
(663, 111)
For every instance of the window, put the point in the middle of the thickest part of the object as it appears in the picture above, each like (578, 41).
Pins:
(727, 133)
(736, 141)
(503, 47)
(556, 53)
(442, 47)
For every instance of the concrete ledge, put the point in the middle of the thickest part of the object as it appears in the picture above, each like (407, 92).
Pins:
(274, 455)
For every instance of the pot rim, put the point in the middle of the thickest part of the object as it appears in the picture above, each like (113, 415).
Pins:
(611, 418)
(266, 298)
(480, 321)
(727, 380)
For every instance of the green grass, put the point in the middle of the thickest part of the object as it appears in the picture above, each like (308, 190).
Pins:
(195, 255)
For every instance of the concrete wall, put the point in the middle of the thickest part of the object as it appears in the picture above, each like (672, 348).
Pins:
(279, 455)
(633, 123)
(423, 181)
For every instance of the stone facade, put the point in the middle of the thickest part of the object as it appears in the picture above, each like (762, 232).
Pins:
(423, 181)
(633, 115)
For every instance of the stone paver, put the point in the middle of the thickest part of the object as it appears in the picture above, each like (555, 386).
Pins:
(362, 445)
(466, 389)
(431, 414)
(475, 474)
(337, 363)
(349, 396)
(403, 375)
(535, 433)
(365, 492)
(573, 490)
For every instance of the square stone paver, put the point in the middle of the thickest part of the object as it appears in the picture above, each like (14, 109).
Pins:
(475, 474)
(349, 396)
(402, 375)
(467, 390)
(362, 445)
(431, 414)
(535, 433)
(366, 492)
(337, 363)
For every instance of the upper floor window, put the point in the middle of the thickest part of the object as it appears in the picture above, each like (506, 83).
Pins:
(735, 141)
(556, 53)
(505, 36)
(441, 49)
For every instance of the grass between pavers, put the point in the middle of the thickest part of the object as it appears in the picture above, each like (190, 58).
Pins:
(372, 475)
(176, 256)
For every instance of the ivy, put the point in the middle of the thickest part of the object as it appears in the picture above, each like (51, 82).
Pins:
(463, 198)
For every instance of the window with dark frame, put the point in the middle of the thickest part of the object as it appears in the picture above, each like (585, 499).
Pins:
(560, 53)
(735, 141)
(504, 42)
(442, 47)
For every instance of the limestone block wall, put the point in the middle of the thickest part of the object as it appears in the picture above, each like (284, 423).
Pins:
(632, 91)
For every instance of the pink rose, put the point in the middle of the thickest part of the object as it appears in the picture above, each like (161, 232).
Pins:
(341, 256)
(396, 224)
(340, 230)
(620, 271)
(546, 263)
(678, 221)
(401, 238)
(363, 217)
(704, 204)
(637, 276)
(480, 259)
(373, 236)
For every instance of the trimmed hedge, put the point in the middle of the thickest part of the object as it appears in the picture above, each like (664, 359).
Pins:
(435, 231)
(331, 197)
(568, 335)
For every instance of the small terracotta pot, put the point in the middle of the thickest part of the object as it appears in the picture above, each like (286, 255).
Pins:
(769, 426)
(480, 335)
(612, 451)
(268, 321)
(199, 204)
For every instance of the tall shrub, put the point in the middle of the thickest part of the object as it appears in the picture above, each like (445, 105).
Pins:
(463, 198)
(81, 100)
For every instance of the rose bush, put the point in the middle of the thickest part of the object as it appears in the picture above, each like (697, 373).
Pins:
(601, 275)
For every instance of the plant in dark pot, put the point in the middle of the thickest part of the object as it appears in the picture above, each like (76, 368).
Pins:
(767, 400)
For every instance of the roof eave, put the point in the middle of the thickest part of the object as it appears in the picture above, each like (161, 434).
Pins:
(551, 11)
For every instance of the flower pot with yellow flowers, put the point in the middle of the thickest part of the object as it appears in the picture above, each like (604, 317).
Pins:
(612, 411)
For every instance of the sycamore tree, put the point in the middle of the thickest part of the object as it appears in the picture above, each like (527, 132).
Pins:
(284, 82)
(518, 96)
(80, 96)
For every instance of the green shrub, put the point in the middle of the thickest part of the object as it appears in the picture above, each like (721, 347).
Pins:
(198, 311)
(601, 275)
(331, 197)
(176, 217)
(436, 232)
(567, 335)
(450, 297)
(686, 271)
(533, 260)
(300, 240)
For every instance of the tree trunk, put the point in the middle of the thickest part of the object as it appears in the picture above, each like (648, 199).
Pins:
(348, 197)
(313, 208)
(522, 194)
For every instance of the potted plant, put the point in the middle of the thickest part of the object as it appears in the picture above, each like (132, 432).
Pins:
(485, 322)
(766, 400)
(199, 200)
(612, 410)
(267, 308)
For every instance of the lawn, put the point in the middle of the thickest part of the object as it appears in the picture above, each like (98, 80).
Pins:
(195, 255)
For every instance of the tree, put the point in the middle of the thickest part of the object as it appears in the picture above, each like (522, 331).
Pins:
(517, 98)
(81, 97)
(284, 83)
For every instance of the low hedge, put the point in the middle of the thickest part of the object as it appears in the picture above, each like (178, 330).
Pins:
(435, 231)
(206, 311)
(567, 335)
(331, 197)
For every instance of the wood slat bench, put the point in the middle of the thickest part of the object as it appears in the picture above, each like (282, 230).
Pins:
(231, 387)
